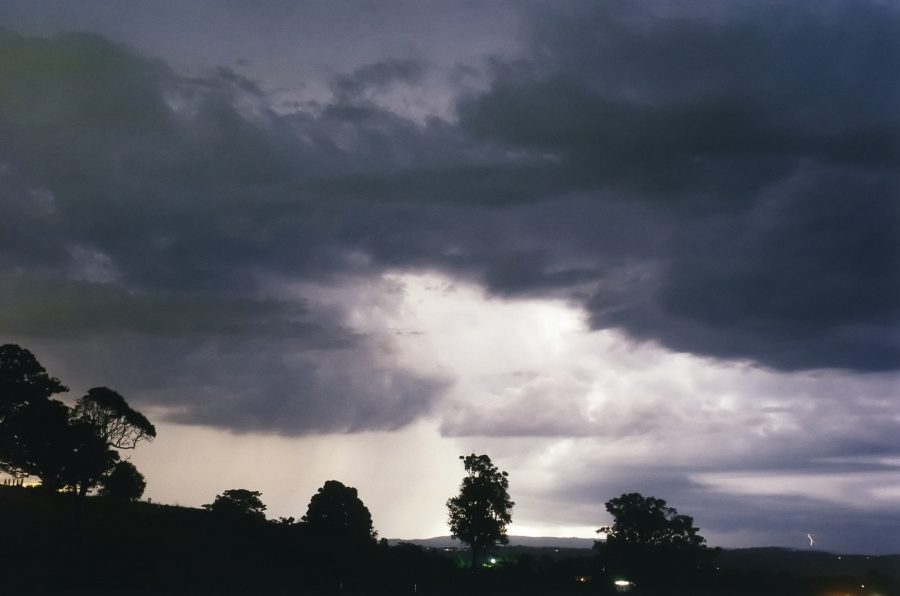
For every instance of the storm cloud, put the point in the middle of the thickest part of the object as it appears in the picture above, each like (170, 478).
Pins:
(728, 143)
(569, 233)
(772, 150)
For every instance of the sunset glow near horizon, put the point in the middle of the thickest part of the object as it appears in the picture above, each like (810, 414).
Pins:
(640, 247)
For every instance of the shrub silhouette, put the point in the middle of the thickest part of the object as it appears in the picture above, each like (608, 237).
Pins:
(124, 483)
(239, 504)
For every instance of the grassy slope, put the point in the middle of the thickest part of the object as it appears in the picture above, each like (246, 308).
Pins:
(51, 542)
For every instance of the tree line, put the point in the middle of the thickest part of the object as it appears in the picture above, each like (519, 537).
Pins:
(648, 541)
(77, 450)
(56, 539)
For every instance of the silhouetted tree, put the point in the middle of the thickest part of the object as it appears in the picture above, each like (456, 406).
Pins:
(89, 459)
(36, 442)
(44, 441)
(23, 380)
(481, 511)
(336, 515)
(124, 483)
(649, 539)
(648, 521)
(337, 536)
(66, 448)
(118, 424)
(238, 503)
(23, 383)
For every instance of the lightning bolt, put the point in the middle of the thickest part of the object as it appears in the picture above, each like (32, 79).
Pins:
(811, 541)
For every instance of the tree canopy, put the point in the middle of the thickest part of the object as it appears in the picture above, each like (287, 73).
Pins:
(238, 503)
(481, 511)
(25, 434)
(42, 440)
(23, 380)
(648, 521)
(118, 424)
(337, 515)
(650, 541)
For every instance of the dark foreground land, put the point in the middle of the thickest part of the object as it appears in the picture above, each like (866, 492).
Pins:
(54, 544)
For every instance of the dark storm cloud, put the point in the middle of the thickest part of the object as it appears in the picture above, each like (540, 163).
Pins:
(725, 185)
(344, 391)
(810, 279)
(759, 519)
(291, 383)
(377, 77)
(836, 527)
(72, 308)
(768, 135)
(149, 209)
(774, 505)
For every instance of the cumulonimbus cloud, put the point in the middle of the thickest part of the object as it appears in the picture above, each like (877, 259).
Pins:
(735, 198)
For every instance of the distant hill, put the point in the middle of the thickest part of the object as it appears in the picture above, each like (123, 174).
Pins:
(801, 562)
(532, 541)
(804, 562)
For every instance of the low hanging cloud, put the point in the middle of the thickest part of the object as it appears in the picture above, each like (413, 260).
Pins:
(841, 509)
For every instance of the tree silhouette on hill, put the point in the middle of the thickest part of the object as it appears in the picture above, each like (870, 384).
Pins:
(23, 380)
(650, 540)
(482, 509)
(238, 503)
(337, 516)
(67, 449)
(116, 422)
(648, 521)
(28, 417)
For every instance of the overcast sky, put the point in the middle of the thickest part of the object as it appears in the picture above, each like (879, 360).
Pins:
(619, 247)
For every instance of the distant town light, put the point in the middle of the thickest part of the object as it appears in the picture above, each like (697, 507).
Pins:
(622, 583)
